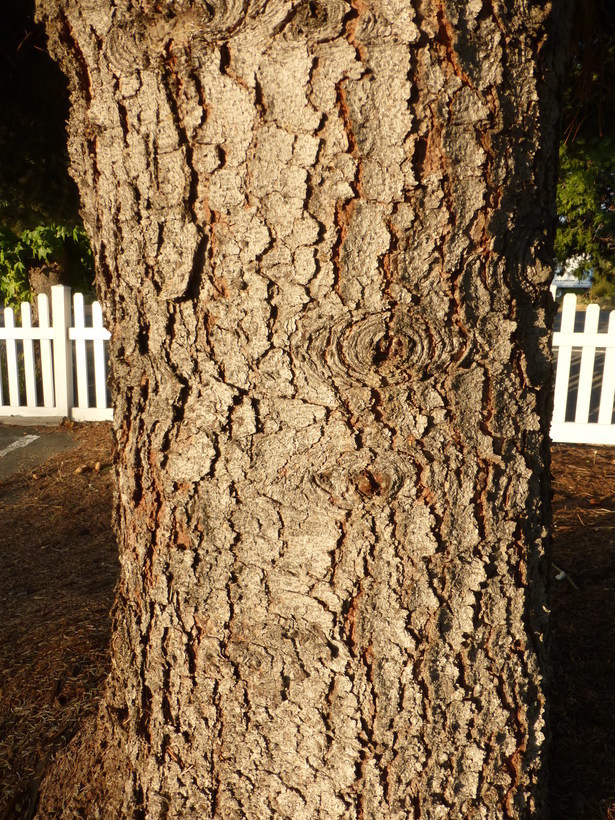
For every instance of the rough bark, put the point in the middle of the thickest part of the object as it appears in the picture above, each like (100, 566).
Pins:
(322, 233)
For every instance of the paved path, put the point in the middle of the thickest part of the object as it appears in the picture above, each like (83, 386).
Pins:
(23, 448)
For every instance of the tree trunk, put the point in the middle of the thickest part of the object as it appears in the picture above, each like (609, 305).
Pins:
(323, 235)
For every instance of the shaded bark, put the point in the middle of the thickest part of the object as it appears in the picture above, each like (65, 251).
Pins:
(323, 237)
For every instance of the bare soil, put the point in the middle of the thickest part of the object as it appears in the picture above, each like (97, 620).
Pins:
(58, 568)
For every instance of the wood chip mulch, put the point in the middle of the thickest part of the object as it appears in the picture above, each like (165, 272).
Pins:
(582, 760)
(58, 568)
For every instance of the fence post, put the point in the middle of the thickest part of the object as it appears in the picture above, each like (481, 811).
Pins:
(62, 349)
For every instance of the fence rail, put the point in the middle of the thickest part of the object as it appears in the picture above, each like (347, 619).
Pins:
(41, 365)
(58, 368)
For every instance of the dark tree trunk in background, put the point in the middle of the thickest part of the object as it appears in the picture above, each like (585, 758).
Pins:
(322, 234)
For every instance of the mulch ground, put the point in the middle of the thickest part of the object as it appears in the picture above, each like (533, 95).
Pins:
(58, 568)
(582, 761)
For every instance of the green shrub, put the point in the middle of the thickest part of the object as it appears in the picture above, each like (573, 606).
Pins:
(69, 247)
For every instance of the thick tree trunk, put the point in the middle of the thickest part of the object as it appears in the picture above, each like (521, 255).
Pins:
(322, 242)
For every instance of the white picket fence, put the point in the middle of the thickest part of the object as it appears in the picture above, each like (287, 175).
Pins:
(44, 368)
(583, 399)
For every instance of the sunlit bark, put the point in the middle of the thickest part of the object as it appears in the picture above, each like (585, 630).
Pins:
(323, 237)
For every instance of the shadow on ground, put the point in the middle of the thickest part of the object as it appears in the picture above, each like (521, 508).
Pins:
(58, 567)
(582, 760)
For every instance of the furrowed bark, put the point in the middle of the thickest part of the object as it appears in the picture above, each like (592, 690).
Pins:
(322, 234)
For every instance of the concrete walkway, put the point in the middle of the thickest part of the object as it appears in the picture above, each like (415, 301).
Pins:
(24, 448)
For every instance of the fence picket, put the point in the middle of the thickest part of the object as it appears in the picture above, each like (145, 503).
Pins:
(607, 394)
(563, 340)
(28, 356)
(46, 360)
(81, 365)
(11, 358)
(100, 362)
(586, 373)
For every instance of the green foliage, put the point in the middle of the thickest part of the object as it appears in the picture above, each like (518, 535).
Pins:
(603, 292)
(67, 246)
(14, 286)
(586, 204)
(586, 189)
